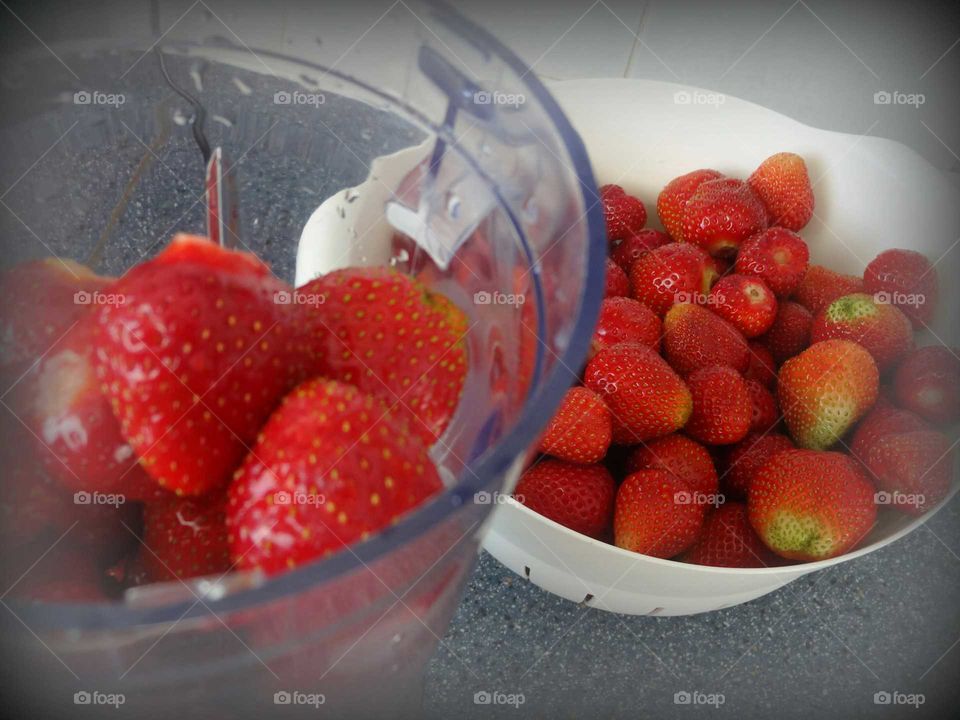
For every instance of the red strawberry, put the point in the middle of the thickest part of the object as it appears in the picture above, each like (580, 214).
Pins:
(622, 213)
(617, 282)
(673, 198)
(389, 335)
(747, 457)
(928, 382)
(653, 514)
(185, 538)
(727, 540)
(783, 184)
(39, 301)
(634, 246)
(821, 286)
(579, 497)
(825, 389)
(790, 332)
(695, 338)
(913, 470)
(762, 367)
(907, 279)
(331, 466)
(778, 256)
(580, 430)
(721, 214)
(882, 420)
(646, 397)
(766, 412)
(746, 302)
(680, 456)
(625, 320)
(669, 271)
(79, 437)
(811, 505)
(195, 359)
(722, 408)
(879, 327)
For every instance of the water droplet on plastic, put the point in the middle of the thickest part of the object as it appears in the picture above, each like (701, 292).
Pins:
(196, 74)
(531, 211)
(242, 86)
(226, 122)
(179, 117)
(453, 206)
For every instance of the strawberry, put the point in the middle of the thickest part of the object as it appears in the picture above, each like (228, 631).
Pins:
(746, 302)
(907, 279)
(195, 359)
(669, 271)
(883, 330)
(721, 214)
(747, 457)
(882, 420)
(673, 198)
(821, 286)
(646, 397)
(617, 282)
(580, 430)
(579, 497)
(762, 367)
(825, 389)
(777, 256)
(728, 540)
(766, 412)
(331, 466)
(695, 338)
(790, 332)
(928, 382)
(625, 320)
(622, 213)
(389, 335)
(654, 515)
(913, 470)
(782, 183)
(185, 538)
(634, 246)
(811, 505)
(722, 407)
(39, 301)
(79, 437)
(680, 456)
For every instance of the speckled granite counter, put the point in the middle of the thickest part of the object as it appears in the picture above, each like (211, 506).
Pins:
(822, 647)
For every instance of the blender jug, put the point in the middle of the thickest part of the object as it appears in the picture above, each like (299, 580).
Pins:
(405, 136)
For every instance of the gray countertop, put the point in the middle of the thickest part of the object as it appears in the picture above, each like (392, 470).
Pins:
(823, 645)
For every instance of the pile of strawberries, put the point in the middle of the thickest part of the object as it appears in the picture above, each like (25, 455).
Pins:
(198, 415)
(742, 407)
